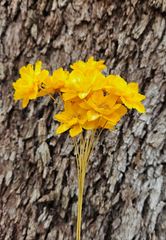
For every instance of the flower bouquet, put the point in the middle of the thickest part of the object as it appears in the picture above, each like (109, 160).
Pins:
(91, 101)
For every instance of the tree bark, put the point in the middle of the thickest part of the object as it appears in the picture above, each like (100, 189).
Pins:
(124, 192)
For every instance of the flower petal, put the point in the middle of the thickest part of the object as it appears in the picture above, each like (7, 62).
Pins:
(25, 102)
(92, 115)
(75, 130)
(140, 107)
(69, 95)
(38, 67)
(62, 128)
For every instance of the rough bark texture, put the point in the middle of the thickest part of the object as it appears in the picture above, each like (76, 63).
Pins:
(124, 193)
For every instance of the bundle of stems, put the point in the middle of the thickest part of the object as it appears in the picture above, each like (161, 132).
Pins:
(83, 153)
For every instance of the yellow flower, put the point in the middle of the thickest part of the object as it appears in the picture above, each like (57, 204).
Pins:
(54, 83)
(101, 106)
(28, 85)
(73, 117)
(88, 66)
(128, 93)
(80, 86)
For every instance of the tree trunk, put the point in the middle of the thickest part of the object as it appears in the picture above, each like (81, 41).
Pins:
(124, 191)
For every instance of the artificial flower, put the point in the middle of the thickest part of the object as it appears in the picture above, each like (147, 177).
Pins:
(54, 83)
(28, 85)
(103, 106)
(80, 86)
(88, 66)
(128, 93)
(73, 117)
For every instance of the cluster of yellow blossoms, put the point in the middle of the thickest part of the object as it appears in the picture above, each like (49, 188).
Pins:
(91, 100)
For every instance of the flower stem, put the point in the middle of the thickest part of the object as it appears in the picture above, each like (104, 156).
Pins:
(52, 97)
(80, 198)
(82, 158)
(55, 101)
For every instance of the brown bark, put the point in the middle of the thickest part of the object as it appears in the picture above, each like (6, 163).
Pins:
(124, 193)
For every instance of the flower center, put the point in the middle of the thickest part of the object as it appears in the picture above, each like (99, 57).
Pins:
(76, 116)
(103, 105)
